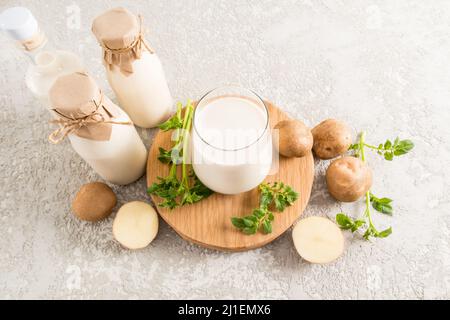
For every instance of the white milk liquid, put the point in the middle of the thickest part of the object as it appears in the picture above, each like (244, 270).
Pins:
(231, 148)
(49, 65)
(120, 160)
(144, 94)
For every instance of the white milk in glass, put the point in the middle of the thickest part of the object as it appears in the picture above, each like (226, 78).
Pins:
(231, 142)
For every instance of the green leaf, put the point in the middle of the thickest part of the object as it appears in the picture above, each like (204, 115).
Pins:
(279, 203)
(384, 233)
(173, 123)
(406, 144)
(199, 188)
(189, 197)
(168, 203)
(389, 156)
(381, 200)
(387, 145)
(344, 221)
(382, 205)
(249, 230)
(370, 232)
(267, 226)
(196, 197)
(384, 200)
(248, 222)
(403, 147)
(164, 155)
(266, 199)
(357, 224)
(259, 213)
(238, 222)
(152, 188)
(291, 196)
(347, 223)
(385, 208)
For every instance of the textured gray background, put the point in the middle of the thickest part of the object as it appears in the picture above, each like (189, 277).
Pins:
(380, 65)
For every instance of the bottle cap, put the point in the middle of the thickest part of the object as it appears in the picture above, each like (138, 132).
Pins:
(82, 109)
(121, 35)
(19, 23)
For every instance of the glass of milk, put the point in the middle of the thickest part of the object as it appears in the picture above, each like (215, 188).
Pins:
(231, 140)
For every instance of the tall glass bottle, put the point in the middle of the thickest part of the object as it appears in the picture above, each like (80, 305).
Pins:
(134, 70)
(99, 131)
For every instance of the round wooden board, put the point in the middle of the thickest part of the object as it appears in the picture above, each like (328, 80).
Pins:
(207, 223)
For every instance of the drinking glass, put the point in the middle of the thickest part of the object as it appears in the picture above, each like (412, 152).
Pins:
(231, 141)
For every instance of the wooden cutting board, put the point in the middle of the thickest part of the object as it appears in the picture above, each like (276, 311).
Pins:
(207, 223)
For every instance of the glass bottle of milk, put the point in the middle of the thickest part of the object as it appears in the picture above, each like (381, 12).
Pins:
(99, 131)
(47, 64)
(133, 69)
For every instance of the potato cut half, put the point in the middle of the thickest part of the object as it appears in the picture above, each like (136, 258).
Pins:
(318, 240)
(135, 225)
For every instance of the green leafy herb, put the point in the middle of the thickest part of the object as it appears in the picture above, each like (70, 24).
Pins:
(347, 223)
(276, 194)
(165, 156)
(382, 205)
(167, 188)
(388, 150)
(189, 189)
(175, 122)
(372, 232)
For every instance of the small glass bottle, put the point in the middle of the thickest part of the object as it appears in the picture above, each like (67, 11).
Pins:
(47, 64)
(99, 131)
(133, 69)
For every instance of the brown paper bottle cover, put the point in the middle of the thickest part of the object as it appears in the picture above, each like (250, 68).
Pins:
(121, 35)
(82, 109)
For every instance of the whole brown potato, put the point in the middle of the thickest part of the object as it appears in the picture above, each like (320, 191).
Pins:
(295, 138)
(331, 138)
(348, 179)
(94, 201)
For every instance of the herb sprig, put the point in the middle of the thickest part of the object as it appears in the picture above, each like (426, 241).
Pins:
(276, 194)
(388, 150)
(189, 189)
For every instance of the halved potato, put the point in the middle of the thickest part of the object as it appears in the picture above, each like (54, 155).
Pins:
(135, 225)
(318, 240)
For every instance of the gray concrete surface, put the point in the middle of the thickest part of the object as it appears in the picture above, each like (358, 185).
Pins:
(380, 65)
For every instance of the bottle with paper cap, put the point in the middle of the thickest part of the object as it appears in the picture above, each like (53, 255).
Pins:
(47, 64)
(99, 131)
(133, 69)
